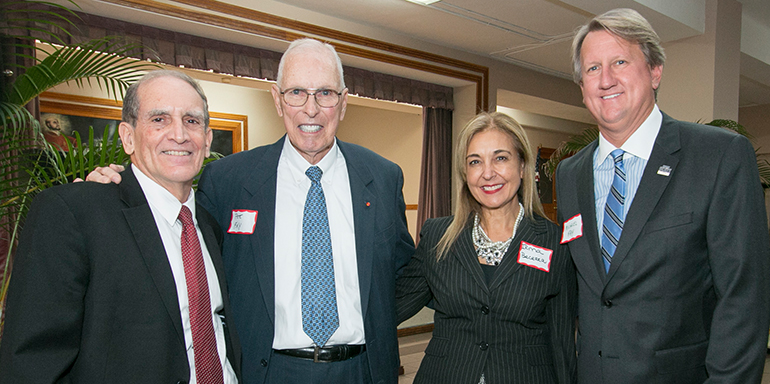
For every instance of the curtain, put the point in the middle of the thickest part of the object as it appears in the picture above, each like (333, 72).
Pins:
(436, 168)
(196, 52)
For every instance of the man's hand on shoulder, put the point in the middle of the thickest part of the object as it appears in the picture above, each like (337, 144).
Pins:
(106, 175)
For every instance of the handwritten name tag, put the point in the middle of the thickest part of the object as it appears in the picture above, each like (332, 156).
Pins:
(573, 228)
(243, 222)
(536, 257)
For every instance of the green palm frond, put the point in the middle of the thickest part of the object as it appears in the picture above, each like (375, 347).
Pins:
(569, 148)
(98, 59)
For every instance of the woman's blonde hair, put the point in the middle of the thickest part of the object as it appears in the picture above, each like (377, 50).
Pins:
(465, 203)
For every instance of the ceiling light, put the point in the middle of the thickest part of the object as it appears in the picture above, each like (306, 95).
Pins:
(423, 2)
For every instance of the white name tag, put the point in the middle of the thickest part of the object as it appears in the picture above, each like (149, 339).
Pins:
(573, 228)
(536, 257)
(243, 222)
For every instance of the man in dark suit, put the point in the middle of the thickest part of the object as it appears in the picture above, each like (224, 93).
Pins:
(258, 198)
(108, 286)
(666, 224)
(261, 200)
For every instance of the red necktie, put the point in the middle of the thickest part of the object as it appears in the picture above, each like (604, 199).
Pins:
(208, 368)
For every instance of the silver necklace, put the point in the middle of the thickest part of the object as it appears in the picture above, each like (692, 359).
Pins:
(492, 251)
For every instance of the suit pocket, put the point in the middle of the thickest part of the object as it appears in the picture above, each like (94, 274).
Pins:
(437, 347)
(681, 358)
(669, 222)
(538, 355)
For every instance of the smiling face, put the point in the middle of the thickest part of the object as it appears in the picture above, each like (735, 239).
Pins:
(617, 83)
(170, 139)
(310, 128)
(493, 170)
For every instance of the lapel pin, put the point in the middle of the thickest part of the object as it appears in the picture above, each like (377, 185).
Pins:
(664, 170)
(368, 203)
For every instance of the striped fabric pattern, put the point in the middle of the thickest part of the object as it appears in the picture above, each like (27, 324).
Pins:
(518, 329)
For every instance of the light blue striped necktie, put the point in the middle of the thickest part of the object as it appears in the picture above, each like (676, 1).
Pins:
(319, 297)
(613, 211)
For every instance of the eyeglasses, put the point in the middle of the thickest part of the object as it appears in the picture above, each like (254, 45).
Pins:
(297, 97)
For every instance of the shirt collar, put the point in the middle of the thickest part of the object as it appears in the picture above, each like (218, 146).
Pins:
(161, 200)
(298, 165)
(640, 143)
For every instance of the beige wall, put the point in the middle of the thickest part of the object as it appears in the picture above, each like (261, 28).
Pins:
(394, 135)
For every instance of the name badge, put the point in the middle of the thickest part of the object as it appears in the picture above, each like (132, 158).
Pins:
(243, 222)
(536, 257)
(573, 228)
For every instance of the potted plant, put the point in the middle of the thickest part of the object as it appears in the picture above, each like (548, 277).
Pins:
(28, 164)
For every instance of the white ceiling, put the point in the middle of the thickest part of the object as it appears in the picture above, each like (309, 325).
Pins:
(535, 34)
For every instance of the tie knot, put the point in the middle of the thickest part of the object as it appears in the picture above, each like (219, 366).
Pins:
(617, 155)
(314, 173)
(185, 216)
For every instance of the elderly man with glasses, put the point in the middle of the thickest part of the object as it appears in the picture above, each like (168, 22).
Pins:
(315, 234)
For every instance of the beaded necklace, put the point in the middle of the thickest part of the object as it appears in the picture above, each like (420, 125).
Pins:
(492, 251)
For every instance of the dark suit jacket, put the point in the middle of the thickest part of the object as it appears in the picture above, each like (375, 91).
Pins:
(247, 180)
(687, 296)
(518, 329)
(92, 298)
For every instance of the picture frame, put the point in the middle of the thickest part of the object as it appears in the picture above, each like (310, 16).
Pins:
(63, 114)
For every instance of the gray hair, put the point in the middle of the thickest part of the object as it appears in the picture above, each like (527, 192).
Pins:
(627, 24)
(310, 44)
(131, 99)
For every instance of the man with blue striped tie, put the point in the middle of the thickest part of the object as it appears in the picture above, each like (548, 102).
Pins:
(666, 224)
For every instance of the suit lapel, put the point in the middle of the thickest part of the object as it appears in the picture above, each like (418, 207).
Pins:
(262, 188)
(465, 253)
(139, 218)
(510, 265)
(592, 266)
(365, 204)
(650, 189)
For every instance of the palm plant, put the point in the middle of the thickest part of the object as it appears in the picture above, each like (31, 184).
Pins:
(27, 163)
(579, 141)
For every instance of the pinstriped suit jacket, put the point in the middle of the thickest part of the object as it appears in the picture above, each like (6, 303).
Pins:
(518, 329)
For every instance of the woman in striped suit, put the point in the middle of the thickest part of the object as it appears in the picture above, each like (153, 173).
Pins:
(503, 288)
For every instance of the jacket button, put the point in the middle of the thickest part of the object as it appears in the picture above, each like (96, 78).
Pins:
(485, 310)
(483, 346)
(608, 303)
(263, 362)
(600, 353)
(181, 382)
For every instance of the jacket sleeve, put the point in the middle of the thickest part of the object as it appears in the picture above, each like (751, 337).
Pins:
(561, 313)
(412, 290)
(404, 249)
(739, 258)
(45, 305)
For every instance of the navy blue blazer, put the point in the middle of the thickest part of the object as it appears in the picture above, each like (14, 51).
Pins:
(687, 296)
(247, 180)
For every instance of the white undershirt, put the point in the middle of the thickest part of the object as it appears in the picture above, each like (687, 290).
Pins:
(291, 192)
(165, 210)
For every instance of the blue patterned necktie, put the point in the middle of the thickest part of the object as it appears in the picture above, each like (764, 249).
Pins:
(613, 211)
(319, 297)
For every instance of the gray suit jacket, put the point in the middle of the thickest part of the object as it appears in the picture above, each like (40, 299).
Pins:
(247, 180)
(92, 298)
(520, 328)
(687, 296)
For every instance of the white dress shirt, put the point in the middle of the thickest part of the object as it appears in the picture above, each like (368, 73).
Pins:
(637, 149)
(165, 209)
(291, 192)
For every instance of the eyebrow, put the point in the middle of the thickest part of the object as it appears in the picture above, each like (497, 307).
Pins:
(159, 112)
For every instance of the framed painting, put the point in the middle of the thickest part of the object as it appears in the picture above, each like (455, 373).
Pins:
(63, 114)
